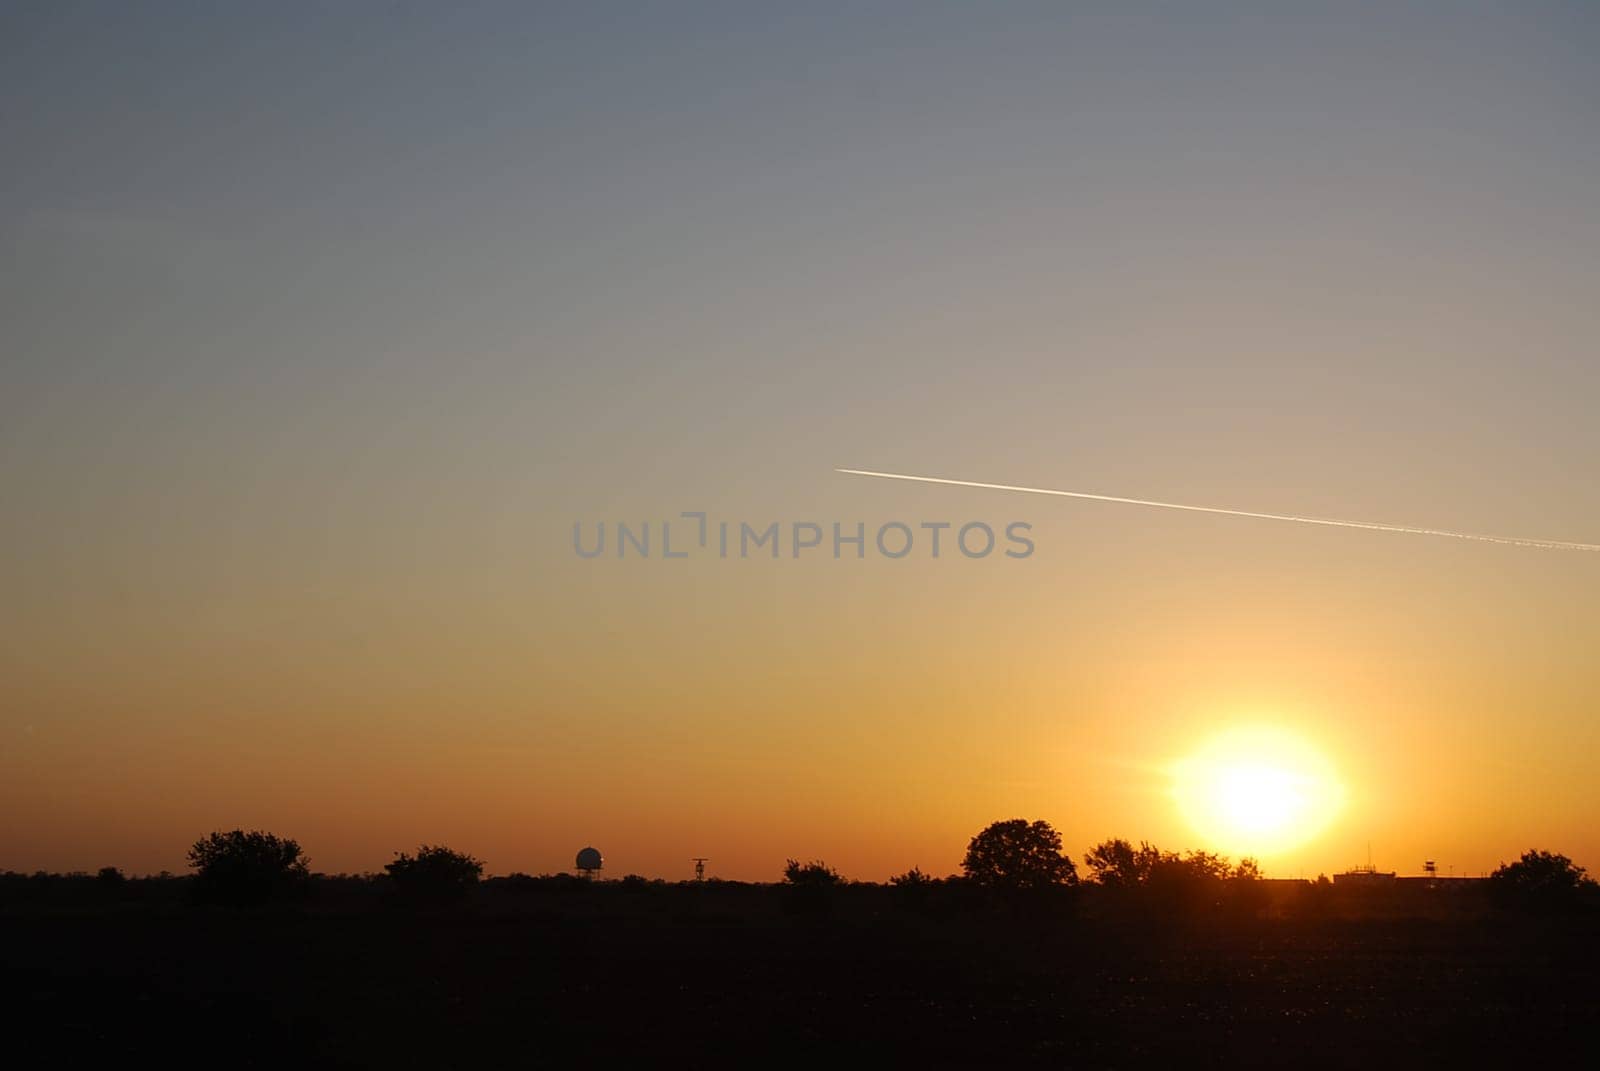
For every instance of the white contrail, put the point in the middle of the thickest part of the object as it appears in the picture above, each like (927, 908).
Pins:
(1547, 544)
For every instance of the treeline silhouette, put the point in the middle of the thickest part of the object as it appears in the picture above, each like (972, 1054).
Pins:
(1124, 955)
(1009, 865)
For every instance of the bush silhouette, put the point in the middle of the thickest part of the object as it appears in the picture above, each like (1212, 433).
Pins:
(911, 879)
(435, 873)
(1018, 854)
(913, 888)
(815, 874)
(240, 868)
(809, 888)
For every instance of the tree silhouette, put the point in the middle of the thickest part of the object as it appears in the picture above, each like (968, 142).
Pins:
(1018, 854)
(1247, 870)
(246, 868)
(1542, 880)
(1116, 863)
(1166, 882)
(1207, 866)
(435, 873)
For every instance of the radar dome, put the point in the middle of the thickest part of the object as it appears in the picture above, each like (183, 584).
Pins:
(589, 859)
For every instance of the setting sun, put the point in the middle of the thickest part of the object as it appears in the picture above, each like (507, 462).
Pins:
(1256, 790)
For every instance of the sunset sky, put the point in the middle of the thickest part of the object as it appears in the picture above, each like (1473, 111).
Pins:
(322, 324)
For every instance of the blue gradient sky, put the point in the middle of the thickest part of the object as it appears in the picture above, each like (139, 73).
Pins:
(322, 324)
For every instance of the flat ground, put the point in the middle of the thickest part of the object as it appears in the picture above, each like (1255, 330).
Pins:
(748, 975)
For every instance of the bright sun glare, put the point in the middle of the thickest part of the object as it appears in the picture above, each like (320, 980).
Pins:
(1256, 790)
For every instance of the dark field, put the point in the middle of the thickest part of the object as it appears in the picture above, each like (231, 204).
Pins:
(759, 974)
